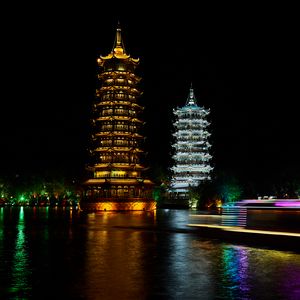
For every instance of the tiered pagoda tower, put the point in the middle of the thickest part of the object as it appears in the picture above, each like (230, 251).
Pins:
(117, 182)
(191, 156)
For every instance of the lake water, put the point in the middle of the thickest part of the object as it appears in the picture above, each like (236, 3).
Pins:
(61, 253)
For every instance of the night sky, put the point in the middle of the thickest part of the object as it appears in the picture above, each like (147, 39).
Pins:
(242, 61)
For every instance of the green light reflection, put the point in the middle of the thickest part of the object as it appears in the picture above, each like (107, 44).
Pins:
(20, 273)
(235, 271)
(1, 231)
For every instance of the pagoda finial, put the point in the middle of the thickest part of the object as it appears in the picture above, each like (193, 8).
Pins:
(118, 47)
(118, 50)
(191, 100)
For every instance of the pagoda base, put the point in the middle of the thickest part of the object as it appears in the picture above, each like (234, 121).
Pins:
(117, 205)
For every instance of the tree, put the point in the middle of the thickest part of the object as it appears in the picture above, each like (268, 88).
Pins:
(229, 188)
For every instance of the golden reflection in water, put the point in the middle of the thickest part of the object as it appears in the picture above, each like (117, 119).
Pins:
(114, 261)
(154, 216)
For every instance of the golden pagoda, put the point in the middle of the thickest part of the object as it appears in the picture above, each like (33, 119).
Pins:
(117, 183)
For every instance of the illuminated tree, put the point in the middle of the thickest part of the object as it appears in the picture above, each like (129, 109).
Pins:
(229, 189)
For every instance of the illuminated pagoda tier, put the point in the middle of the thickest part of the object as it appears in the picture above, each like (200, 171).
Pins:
(191, 148)
(117, 182)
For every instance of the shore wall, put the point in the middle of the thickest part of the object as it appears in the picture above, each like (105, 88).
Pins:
(118, 206)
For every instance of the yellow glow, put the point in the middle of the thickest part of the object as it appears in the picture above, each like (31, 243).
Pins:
(118, 173)
(101, 174)
(265, 232)
(120, 206)
(218, 203)
(207, 216)
(240, 229)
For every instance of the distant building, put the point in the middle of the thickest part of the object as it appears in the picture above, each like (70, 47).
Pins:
(116, 182)
(191, 148)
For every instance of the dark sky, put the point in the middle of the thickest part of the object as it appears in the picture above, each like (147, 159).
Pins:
(242, 60)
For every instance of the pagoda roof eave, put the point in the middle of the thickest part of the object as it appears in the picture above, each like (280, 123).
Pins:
(118, 149)
(118, 102)
(119, 166)
(118, 72)
(120, 56)
(118, 117)
(95, 181)
(118, 133)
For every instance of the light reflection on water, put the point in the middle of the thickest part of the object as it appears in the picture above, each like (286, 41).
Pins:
(235, 271)
(20, 271)
(50, 253)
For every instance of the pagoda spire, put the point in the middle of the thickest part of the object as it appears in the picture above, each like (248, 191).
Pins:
(191, 100)
(118, 47)
(118, 50)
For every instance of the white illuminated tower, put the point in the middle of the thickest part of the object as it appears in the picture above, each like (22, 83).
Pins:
(191, 156)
